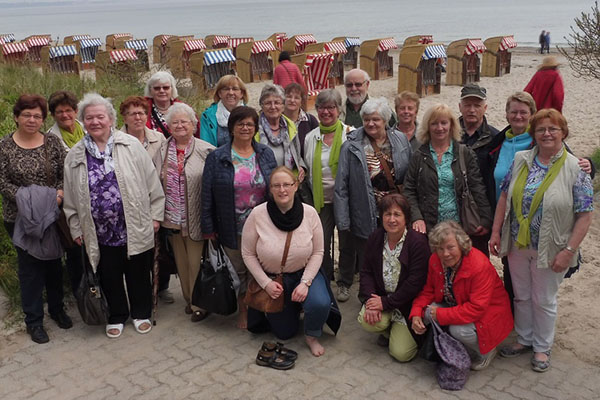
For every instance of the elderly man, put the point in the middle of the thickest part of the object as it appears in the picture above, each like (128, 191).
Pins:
(407, 107)
(357, 86)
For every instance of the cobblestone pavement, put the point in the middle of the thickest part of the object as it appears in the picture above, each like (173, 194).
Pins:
(215, 360)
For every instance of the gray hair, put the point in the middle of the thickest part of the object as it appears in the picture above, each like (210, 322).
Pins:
(440, 233)
(94, 99)
(159, 77)
(377, 105)
(329, 96)
(181, 108)
(366, 76)
(271, 90)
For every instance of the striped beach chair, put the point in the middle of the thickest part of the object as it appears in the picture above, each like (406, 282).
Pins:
(352, 43)
(159, 48)
(180, 52)
(87, 49)
(252, 60)
(233, 43)
(7, 38)
(60, 59)
(464, 64)
(216, 41)
(71, 39)
(140, 46)
(497, 57)
(35, 44)
(374, 57)
(315, 70)
(338, 49)
(112, 40)
(297, 43)
(14, 53)
(119, 62)
(419, 68)
(418, 39)
(208, 66)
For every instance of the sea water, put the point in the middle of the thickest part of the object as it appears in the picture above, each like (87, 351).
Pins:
(446, 20)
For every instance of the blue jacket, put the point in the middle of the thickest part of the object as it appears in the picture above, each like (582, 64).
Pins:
(354, 199)
(218, 201)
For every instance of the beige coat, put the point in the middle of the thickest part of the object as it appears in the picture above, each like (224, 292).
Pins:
(141, 193)
(193, 170)
(155, 140)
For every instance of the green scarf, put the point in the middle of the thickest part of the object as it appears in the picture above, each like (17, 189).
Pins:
(509, 133)
(524, 236)
(71, 139)
(334, 156)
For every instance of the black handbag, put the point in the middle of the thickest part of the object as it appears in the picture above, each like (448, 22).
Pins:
(213, 290)
(91, 301)
(428, 350)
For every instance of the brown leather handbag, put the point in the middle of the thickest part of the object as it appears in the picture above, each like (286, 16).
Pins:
(258, 298)
(386, 168)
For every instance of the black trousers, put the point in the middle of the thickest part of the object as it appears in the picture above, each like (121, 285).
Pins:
(35, 274)
(113, 265)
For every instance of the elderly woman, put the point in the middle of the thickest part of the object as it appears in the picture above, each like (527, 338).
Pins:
(29, 158)
(407, 107)
(546, 85)
(372, 163)
(323, 145)
(295, 98)
(235, 180)
(114, 203)
(263, 242)
(63, 108)
(180, 163)
(465, 293)
(394, 272)
(434, 183)
(230, 93)
(161, 93)
(543, 214)
(279, 132)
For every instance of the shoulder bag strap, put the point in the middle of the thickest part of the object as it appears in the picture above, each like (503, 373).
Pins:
(286, 249)
(288, 72)
(463, 167)
(156, 118)
(384, 164)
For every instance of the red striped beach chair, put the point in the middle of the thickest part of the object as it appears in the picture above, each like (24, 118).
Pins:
(497, 57)
(464, 64)
(252, 60)
(374, 57)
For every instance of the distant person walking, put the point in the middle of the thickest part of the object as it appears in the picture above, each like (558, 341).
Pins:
(547, 42)
(542, 41)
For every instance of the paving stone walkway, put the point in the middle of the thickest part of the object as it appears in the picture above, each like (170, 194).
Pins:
(215, 360)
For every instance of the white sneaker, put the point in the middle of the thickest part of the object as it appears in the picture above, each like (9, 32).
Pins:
(343, 293)
(166, 296)
(485, 360)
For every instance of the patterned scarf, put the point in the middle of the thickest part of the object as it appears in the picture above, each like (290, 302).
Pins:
(161, 117)
(283, 139)
(223, 113)
(175, 204)
(94, 151)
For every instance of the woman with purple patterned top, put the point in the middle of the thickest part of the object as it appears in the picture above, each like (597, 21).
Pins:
(114, 202)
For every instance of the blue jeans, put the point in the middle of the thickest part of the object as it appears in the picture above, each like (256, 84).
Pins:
(285, 324)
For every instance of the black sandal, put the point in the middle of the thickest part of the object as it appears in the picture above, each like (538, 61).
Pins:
(280, 349)
(274, 360)
(199, 315)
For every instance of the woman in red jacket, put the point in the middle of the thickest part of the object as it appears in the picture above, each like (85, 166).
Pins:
(546, 86)
(464, 292)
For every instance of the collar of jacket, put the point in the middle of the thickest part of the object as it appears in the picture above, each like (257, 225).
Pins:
(120, 138)
(484, 132)
(165, 145)
(224, 152)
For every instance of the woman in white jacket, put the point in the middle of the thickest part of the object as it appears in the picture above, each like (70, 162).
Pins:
(114, 203)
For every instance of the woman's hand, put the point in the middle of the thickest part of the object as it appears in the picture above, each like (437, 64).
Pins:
(156, 226)
(561, 261)
(301, 174)
(433, 312)
(419, 226)
(274, 289)
(372, 317)
(60, 195)
(299, 294)
(374, 303)
(495, 244)
(418, 326)
(78, 240)
(585, 165)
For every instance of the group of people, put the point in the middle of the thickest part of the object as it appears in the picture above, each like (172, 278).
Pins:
(278, 182)
(544, 41)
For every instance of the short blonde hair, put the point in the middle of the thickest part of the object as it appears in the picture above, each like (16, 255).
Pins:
(407, 95)
(229, 80)
(522, 97)
(433, 113)
(440, 233)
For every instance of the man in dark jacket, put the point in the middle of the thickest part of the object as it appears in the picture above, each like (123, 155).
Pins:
(477, 134)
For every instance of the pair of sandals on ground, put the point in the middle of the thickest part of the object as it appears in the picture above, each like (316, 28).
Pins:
(142, 326)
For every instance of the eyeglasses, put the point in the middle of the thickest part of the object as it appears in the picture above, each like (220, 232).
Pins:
(177, 123)
(248, 125)
(37, 117)
(279, 186)
(553, 130)
(140, 114)
(349, 85)
(520, 112)
(157, 88)
(272, 103)
(326, 108)
(231, 88)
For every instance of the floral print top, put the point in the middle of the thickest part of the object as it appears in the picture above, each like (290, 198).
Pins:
(249, 187)
(106, 204)
(447, 205)
(583, 198)
(391, 271)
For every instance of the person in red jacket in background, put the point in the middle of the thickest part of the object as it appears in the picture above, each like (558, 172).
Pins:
(287, 72)
(464, 292)
(546, 86)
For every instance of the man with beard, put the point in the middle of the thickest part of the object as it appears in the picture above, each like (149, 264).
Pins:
(357, 83)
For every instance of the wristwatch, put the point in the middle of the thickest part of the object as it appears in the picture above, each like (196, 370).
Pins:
(570, 249)
(307, 282)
